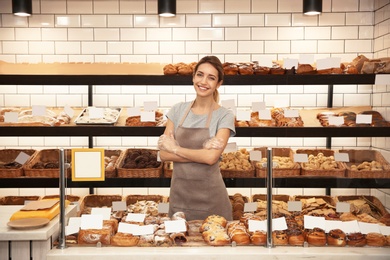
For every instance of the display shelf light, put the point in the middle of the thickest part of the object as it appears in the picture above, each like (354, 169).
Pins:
(22, 7)
(312, 7)
(167, 8)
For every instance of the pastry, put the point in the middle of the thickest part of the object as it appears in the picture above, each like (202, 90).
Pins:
(280, 237)
(258, 238)
(375, 239)
(245, 69)
(94, 236)
(316, 237)
(336, 237)
(170, 69)
(216, 237)
(238, 233)
(124, 239)
(356, 239)
(230, 68)
(305, 69)
(295, 237)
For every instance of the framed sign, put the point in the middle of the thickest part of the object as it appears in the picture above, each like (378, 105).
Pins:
(88, 164)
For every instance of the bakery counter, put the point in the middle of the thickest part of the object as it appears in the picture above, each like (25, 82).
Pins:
(27, 243)
(200, 253)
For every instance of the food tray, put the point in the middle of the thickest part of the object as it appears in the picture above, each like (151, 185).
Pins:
(374, 202)
(339, 172)
(132, 199)
(111, 116)
(46, 156)
(9, 156)
(359, 156)
(277, 197)
(17, 200)
(168, 169)
(138, 173)
(261, 172)
(97, 201)
(111, 173)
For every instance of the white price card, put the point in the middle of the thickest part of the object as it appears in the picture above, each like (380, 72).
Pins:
(38, 110)
(243, 115)
(230, 147)
(119, 206)
(265, 114)
(294, 205)
(366, 228)
(135, 217)
(327, 63)
(96, 112)
(385, 230)
(148, 116)
(300, 157)
(314, 222)
(291, 113)
(91, 221)
(73, 226)
(336, 120)
(257, 225)
(341, 157)
(69, 230)
(255, 155)
(257, 106)
(228, 103)
(289, 63)
(135, 230)
(343, 207)
(175, 226)
(11, 117)
(350, 226)
(332, 224)
(363, 119)
(163, 207)
(69, 111)
(279, 223)
(150, 105)
(105, 212)
(22, 158)
(250, 207)
(133, 111)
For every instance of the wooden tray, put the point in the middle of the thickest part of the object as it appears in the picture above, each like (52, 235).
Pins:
(9, 156)
(338, 172)
(359, 156)
(261, 172)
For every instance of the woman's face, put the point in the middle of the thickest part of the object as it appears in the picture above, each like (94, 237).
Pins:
(206, 80)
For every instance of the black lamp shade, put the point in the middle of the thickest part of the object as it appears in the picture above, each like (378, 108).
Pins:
(312, 7)
(167, 8)
(22, 7)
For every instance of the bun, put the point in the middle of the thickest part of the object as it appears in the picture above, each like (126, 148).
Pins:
(238, 233)
(296, 237)
(93, 236)
(280, 238)
(375, 239)
(258, 238)
(245, 69)
(259, 70)
(356, 239)
(216, 219)
(336, 237)
(305, 69)
(230, 68)
(124, 239)
(316, 237)
(169, 69)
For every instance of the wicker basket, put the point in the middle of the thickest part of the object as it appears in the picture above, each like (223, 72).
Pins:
(277, 197)
(338, 172)
(97, 201)
(109, 153)
(138, 173)
(17, 200)
(168, 169)
(238, 173)
(45, 156)
(132, 199)
(8, 156)
(374, 202)
(261, 172)
(330, 200)
(359, 156)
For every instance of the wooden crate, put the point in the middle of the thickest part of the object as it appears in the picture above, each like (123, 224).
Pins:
(338, 172)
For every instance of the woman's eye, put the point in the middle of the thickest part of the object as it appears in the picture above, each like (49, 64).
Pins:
(199, 74)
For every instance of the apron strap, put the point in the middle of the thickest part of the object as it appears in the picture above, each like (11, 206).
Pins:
(188, 110)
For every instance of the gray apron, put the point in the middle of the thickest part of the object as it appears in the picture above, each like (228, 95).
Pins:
(197, 189)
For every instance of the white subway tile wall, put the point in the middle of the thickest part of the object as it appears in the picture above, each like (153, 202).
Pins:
(235, 31)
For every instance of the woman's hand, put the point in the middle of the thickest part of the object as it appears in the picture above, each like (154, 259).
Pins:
(168, 143)
(214, 143)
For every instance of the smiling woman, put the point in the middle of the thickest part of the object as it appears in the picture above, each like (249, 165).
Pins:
(195, 136)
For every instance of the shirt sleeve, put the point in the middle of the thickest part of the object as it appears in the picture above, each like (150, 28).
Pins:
(227, 121)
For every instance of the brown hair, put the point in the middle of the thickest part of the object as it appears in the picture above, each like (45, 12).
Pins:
(216, 63)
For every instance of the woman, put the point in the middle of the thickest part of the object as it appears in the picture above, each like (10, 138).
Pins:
(195, 136)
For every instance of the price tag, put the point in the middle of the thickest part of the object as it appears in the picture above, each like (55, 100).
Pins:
(135, 230)
(366, 228)
(257, 106)
(119, 206)
(250, 207)
(341, 157)
(91, 221)
(332, 224)
(336, 120)
(135, 217)
(291, 113)
(69, 111)
(382, 79)
(265, 114)
(289, 63)
(294, 205)
(363, 119)
(279, 224)
(314, 222)
(230, 147)
(73, 226)
(96, 112)
(133, 111)
(150, 105)
(300, 157)
(350, 226)
(255, 155)
(385, 230)
(38, 110)
(255, 225)
(327, 63)
(343, 207)
(11, 117)
(243, 115)
(163, 207)
(22, 158)
(148, 116)
(175, 226)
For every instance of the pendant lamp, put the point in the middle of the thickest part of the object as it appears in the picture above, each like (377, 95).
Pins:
(312, 7)
(167, 8)
(22, 7)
